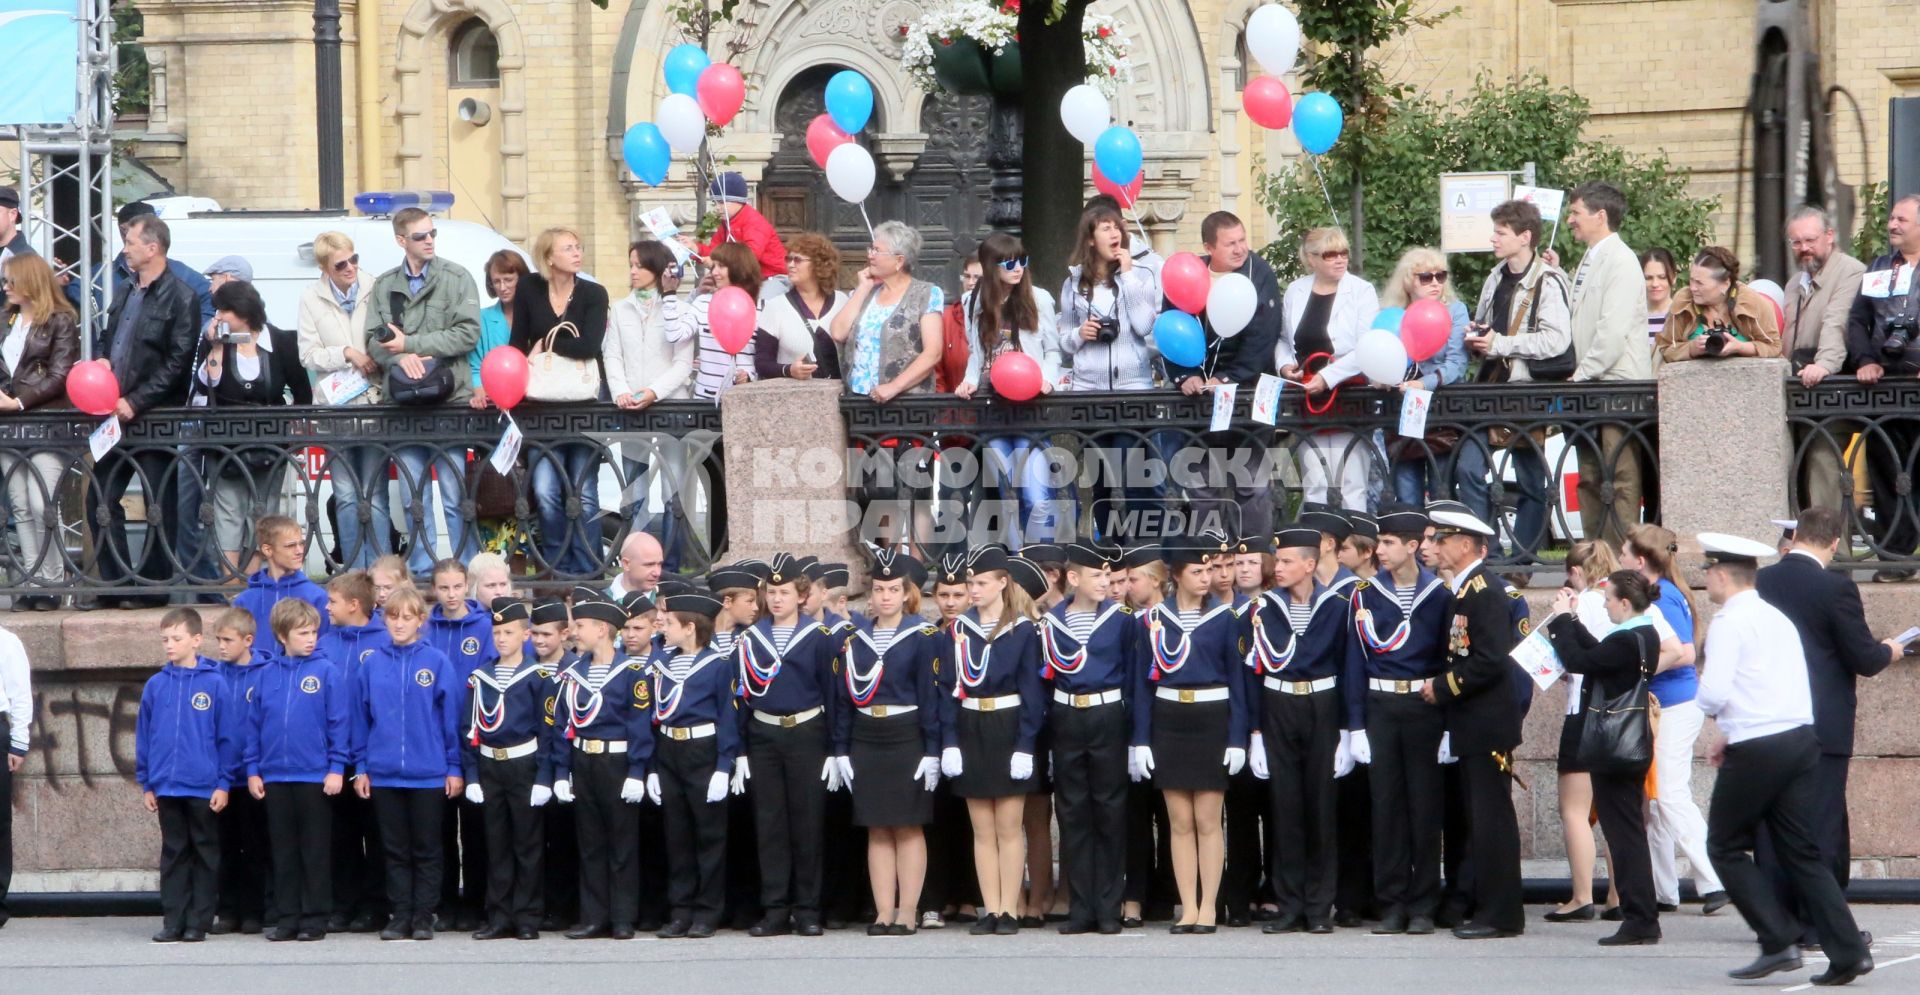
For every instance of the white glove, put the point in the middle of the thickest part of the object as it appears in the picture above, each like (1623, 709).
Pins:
(1343, 755)
(475, 795)
(1236, 759)
(633, 791)
(1140, 763)
(1361, 749)
(653, 789)
(928, 772)
(1022, 766)
(1257, 757)
(717, 787)
(950, 764)
(740, 775)
(1446, 749)
(542, 795)
(563, 790)
(830, 773)
(846, 770)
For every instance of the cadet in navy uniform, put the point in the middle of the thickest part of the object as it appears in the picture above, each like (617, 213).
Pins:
(787, 679)
(1307, 710)
(951, 882)
(1400, 620)
(509, 764)
(845, 860)
(1091, 651)
(1483, 722)
(1190, 726)
(600, 762)
(1243, 878)
(887, 741)
(698, 737)
(547, 648)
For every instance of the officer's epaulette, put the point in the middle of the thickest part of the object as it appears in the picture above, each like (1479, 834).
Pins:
(1359, 585)
(1476, 585)
(929, 630)
(1514, 593)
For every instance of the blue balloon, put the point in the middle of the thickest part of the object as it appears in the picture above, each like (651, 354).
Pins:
(1179, 337)
(683, 67)
(849, 101)
(647, 153)
(1117, 153)
(1389, 319)
(1316, 122)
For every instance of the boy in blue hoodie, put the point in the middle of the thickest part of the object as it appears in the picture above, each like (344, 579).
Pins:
(461, 630)
(298, 742)
(406, 758)
(359, 865)
(246, 892)
(283, 547)
(184, 743)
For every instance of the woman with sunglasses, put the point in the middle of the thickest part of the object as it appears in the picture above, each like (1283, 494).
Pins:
(1323, 315)
(332, 332)
(1419, 466)
(1007, 313)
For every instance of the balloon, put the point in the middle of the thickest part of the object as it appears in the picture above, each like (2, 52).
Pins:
(850, 173)
(1389, 318)
(1085, 112)
(681, 122)
(1184, 279)
(849, 100)
(1316, 122)
(1425, 329)
(92, 387)
(1267, 102)
(823, 137)
(1273, 36)
(683, 67)
(1117, 153)
(1015, 376)
(1231, 303)
(721, 91)
(1128, 195)
(1382, 358)
(647, 153)
(732, 317)
(503, 373)
(1180, 338)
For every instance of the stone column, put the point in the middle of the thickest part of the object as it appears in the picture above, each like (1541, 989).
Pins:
(786, 465)
(1724, 451)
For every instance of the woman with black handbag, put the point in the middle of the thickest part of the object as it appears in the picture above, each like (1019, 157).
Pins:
(1616, 736)
(239, 370)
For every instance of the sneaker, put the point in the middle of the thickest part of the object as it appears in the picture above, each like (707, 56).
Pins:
(932, 920)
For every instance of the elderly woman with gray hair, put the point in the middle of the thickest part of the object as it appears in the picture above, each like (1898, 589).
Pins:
(890, 330)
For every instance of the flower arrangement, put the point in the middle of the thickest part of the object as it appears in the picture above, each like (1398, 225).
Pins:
(1107, 49)
(940, 48)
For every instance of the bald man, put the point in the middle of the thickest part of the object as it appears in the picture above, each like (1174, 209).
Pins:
(640, 560)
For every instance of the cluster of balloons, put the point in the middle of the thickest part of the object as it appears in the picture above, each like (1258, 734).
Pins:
(702, 92)
(830, 141)
(1399, 336)
(92, 387)
(1273, 37)
(1117, 156)
(1229, 303)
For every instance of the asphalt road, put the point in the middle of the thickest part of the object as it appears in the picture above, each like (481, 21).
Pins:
(114, 955)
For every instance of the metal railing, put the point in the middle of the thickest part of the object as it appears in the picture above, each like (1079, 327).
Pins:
(1856, 447)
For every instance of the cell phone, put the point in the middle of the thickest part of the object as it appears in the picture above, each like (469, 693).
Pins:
(1908, 636)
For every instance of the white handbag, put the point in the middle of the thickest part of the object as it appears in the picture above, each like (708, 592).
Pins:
(553, 377)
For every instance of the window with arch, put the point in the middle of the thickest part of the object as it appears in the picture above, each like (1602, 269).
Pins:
(1241, 58)
(473, 55)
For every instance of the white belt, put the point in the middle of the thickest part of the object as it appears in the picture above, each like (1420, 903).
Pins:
(597, 746)
(882, 711)
(1190, 695)
(1087, 700)
(990, 704)
(684, 733)
(1396, 687)
(525, 749)
(786, 721)
(1297, 687)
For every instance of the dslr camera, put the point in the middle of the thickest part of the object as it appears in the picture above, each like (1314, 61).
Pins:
(1108, 331)
(1716, 342)
(1899, 335)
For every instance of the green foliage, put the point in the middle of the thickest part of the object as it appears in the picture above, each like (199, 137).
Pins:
(1496, 126)
(1871, 239)
(132, 83)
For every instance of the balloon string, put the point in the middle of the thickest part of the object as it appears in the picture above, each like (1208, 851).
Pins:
(1315, 160)
(869, 221)
(1134, 213)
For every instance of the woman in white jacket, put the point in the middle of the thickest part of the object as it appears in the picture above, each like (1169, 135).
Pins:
(1007, 313)
(648, 354)
(332, 332)
(1323, 315)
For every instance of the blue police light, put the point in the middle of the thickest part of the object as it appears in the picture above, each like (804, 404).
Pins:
(385, 202)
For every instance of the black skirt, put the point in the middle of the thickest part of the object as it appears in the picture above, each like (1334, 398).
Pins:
(987, 744)
(884, 754)
(1570, 743)
(1190, 744)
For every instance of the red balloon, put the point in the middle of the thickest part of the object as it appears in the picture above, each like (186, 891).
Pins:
(1015, 376)
(1779, 316)
(720, 92)
(1425, 329)
(1186, 283)
(503, 374)
(823, 136)
(1128, 195)
(1267, 102)
(732, 317)
(93, 388)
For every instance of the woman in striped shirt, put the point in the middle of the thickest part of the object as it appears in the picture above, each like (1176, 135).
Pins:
(714, 369)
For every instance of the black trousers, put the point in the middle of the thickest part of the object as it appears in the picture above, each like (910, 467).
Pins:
(950, 878)
(789, 811)
(1771, 781)
(246, 864)
(1090, 799)
(1302, 732)
(653, 872)
(116, 472)
(609, 831)
(6, 833)
(359, 861)
(1493, 840)
(1456, 895)
(696, 829)
(464, 875)
(1831, 832)
(1149, 848)
(410, 821)
(1404, 778)
(300, 834)
(1353, 892)
(516, 841)
(561, 862)
(189, 862)
(848, 893)
(1246, 830)
(1621, 800)
(740, 904)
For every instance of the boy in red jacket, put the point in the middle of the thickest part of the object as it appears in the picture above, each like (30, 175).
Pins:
(740, 222)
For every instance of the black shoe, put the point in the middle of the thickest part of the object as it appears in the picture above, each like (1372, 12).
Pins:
(902, 929)
(1480, 931)
(700, 930)
(1204, 929)
(1892, 576)
(1626, 939)
(338, 923)
(591, 931)
(224, 926)
(167, 935)
(526, 933)
(281, 934)
(250, 927)
(1347, 920)
(1076, 927)
(1006, 925)
(1284, 924)
(555, 924)
(880, 929)
(1843, 975)
(1391, 924)
(1238, 919)
(1320, 927)
(1786, 959)
(1265, 915)
(1031, 922)
(806, 924)
(643, 926)
(423, 930)
(1615, 915)
(675, 930)
(1420, 926)
(466, 921)
(310, 935)
(193, 935)
(621, 931)
(1657, 907)
(1585, 913)
(1181, 928)
(1108, 927)
(396, 930)
(494, 931)
(442, 922)
(1132, 922)
(772, 924)
(362, 923)
(983, 926)
(1713, 901)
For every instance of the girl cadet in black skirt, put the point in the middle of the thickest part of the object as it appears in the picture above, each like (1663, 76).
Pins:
(1190, 726)
(887, 736)
(696, 738)
(996, 712)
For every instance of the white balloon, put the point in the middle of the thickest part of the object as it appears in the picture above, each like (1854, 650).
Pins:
(850, 172)
(1382, 356)
(1771, 291)
(680, 120)
(1231, 304)
(1273, 36)
(1085, 112)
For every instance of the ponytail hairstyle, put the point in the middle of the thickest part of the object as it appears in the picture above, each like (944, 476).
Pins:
(1596, 561)
(1632, 586)
(1014, 603)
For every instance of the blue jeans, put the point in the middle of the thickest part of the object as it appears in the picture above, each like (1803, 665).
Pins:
(1529, 464)
(423, 536)
(569, 536)
(363, 525)
(1039, 520)
(1460, 475)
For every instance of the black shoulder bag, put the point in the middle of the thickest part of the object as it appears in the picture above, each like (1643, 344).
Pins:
(1559, 367)
(1616, 734)
(432, 387)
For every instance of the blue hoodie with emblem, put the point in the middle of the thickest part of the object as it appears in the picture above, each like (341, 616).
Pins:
(350, 646)
(243, 679)
(299, 728)
(467, 641)
(263, 592)
(188, 733)
(406, 710)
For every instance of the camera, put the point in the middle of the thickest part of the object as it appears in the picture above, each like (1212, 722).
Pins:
(1899, 336)
(1716, 342)
(1108, 331)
